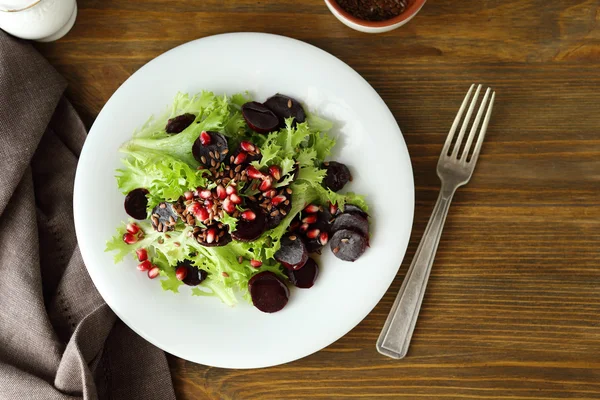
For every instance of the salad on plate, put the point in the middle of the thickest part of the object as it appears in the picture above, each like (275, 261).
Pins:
(232, 196)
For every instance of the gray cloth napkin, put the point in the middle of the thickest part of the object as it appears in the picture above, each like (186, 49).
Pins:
(58, 339)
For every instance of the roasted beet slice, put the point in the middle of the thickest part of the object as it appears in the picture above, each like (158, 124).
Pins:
(304, 277)
(292, 254)
(247, 231)
(352, 209)
(213, 151)
(337, 175)
(215, 235)
(351, 221)
(281, 205)
(164, 217)
(285, 107)
(179, 123)
(136, 203)
(315, 234)
(194, 275)
(348, 245)
(269, 293)
(259, 118)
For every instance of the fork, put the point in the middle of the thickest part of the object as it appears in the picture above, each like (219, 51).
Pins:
(454, 170)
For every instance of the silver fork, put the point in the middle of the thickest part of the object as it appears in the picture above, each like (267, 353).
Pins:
(454, 171)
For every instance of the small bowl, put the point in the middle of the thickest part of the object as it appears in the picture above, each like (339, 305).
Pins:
(374, 26)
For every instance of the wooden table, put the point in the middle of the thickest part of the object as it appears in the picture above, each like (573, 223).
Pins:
(512, 310)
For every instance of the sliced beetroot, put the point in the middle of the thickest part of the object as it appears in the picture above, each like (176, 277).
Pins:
(285, 107)
(214, 235)
(352, 209)
(279, 210)
(164, 217)
(337, 175)
(194, 275)
(348, 245)
(316, 234)
(351, 221)
(179, 123)
(247, 231)
(259, 118)
(269, 293)
(136, 203)
(304, 277)
(293, 253)
(209, 155)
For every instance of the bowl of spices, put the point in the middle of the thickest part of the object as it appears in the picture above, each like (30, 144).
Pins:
(374, 16)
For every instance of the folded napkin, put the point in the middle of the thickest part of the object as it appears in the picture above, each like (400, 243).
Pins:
(58, 339)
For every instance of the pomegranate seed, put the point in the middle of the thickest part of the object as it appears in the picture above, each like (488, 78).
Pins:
(313, 233)
(247, 146)
(278, 199)
(256, 263)
(333, 208)
(228, 206)
(181, 273)
(145, 265)
(205, 138)
(253, 173)
(205, 194)
(235, 199)
(324, 238)
(266, 184)
(240, 158)
(142, 254)
(304, 227)
(129, 238)
(208, 204)
(275, 172)
(270, 193)
(153, 273)
(249, 215)
(202, 214)
(230, 190)
(221, 192)
(311, 208)
(311, 219)
(210, 235)
(132, 228)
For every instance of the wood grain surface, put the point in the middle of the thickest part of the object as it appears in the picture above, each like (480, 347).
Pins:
(512, 310)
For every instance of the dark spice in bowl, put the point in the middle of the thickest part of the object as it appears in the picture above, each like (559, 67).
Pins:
(374, 10)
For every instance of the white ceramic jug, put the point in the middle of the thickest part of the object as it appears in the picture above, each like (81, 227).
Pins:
(41, 20)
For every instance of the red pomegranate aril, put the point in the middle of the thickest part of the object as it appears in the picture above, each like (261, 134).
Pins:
(129, 238)
(270, 193)
(324, 238)
(221, 192)
(240, 158)
(188, 195)
(253, 173)
(311, 208)
(275, 172)
(304, 227)
(266, 184)
(142, 254)
(145, 265)
(153, 272)
(132, 228)
(249, 215)
(210, 235)
(205, 138)
(313, 233)
(235, 199)
(333, 208)
(256, 263)
(205, 194)
(230, 190)
(278, 200)
(228, 206)
(202, 214)
(247, 146)
(181, 273)
(311, 219)
(208, 204)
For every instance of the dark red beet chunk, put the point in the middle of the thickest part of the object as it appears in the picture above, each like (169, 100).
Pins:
(348, 245)
(313, 241)
(352, 209)
(292, 254)
(274, 219)
(285, 107)
(247, 231)
(259, 118)
(304, 277)
(354, 222)
(136, 203)
(269, 293)
(337, 175)
(215, 235)
(194, 275)
(213, 153)
(164, 217)
(179, 123)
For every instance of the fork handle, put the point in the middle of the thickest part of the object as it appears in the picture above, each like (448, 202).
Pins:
(400, 324)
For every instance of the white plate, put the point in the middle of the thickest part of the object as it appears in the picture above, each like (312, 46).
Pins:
(204, 330)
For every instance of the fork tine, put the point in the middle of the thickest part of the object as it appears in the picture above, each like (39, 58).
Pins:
(484, 127)
(456, 122)
(474, 128)
(463, 129)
